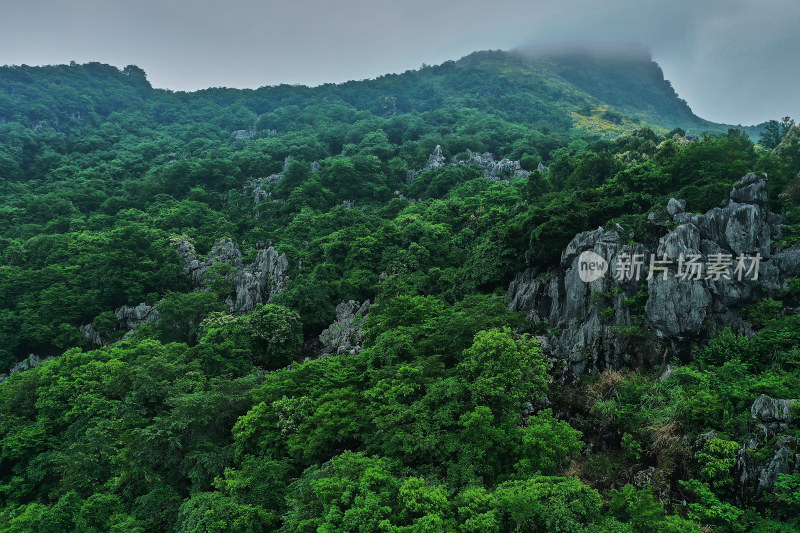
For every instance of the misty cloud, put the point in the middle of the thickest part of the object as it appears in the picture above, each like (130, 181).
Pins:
(732, 60)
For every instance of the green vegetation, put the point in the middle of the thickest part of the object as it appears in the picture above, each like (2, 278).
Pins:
(448, 419)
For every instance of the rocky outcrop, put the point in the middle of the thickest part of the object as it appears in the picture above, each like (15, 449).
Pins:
(243, 135)
(597, 324)
(31, 361)
(133, 317)
(257, 187)
(492, 168)
(130, 318)
(91, 334)
(773, 415)
(768, 452)
(257, 282)
(343, 336)
(435, 160)
(225, 251)
(590, 319)
(496, 170)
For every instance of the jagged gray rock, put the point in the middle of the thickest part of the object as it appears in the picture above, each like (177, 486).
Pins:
(590, 337)
(253, 284)
(258, 282)
(242, 135)
(676, 306)
(675, 207)
(783, 462)
(343, 336)
(225, 251)
(754, 476)
(133, 317)
(593, 320)
(773, 415)
(435, 160)
(492, 169)
(257, 188)
(91, 334)
(130, 318)
(29, 362)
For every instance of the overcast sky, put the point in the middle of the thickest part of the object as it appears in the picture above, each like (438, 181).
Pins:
(734, 61)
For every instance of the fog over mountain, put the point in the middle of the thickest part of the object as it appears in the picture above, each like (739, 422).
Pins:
(733, 61)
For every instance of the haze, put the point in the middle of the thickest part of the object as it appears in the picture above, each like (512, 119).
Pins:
(734, 61)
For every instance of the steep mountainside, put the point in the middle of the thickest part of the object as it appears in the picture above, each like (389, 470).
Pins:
(362, 307)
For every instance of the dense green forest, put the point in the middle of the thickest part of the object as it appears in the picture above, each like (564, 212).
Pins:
(445, 413)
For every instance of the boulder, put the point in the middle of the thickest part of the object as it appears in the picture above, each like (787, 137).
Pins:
(254, 283)
(593, 320)
(343, 336)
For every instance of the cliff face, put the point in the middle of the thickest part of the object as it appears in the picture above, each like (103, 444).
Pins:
(253, 283)
(705, 270)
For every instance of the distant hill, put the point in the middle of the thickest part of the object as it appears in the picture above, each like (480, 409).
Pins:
(604, 93)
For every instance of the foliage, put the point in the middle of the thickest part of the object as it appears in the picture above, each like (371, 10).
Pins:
(451, 417)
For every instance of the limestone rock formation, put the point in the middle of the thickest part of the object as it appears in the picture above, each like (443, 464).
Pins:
(343, 336)
(91, 334)
(597, 325)
(492, 168)
(773, 415)
(754, 475)
(257, 187)
(133, 317)
(242, 135)
(435, 160)
(130, 318)
(253, 283)
(496, 170)
(31, 361)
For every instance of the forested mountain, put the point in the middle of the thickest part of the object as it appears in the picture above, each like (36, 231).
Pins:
(353, 307)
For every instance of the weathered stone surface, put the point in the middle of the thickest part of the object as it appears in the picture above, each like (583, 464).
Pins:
(492, 169)
(343, 336)
(257, 188)
(788, 261)
(31, 361)
(675, 307)
(258, 282)
(253, 284)
(242, 135)
(751, 190)
(594, 318)
(754, 476)
(683, 240)
(675, 207)
(132, 317)
(773, 415)
(536, 293)
(779, 464)
(91, 334)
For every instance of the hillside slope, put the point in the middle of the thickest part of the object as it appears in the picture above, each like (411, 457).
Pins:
(356, 307)
(527, 88)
